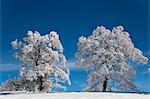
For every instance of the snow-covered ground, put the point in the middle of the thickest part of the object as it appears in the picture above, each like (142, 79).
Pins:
(77, 95)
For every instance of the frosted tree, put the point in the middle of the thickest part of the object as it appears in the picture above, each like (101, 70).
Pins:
(42, 61)
(110, 57)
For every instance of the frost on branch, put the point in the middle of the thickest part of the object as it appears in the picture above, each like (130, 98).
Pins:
(42, 60)
(110, 56)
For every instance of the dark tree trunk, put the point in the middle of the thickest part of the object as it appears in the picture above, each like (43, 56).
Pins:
(40, 83)
(105, 84)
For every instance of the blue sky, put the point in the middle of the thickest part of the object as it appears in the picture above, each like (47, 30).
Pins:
(71, 19)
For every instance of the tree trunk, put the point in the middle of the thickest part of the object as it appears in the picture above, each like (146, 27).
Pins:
(40, 83)
(105, 84)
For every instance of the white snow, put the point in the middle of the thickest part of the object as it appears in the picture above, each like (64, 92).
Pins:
(77, 95)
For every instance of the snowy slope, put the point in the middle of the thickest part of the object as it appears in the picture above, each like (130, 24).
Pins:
(77, 95)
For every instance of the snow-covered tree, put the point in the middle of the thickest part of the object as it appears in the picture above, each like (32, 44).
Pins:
(42, 61)
(21, 84)
(110, 57)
